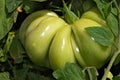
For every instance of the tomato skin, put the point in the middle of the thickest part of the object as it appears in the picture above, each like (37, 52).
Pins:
(92, 53)
(38, 40)
(50, 42)
(61, 50)
(38, 37)
(29, 19)
(94, 15)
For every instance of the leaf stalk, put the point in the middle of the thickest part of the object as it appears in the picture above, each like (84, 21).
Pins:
(110, 64)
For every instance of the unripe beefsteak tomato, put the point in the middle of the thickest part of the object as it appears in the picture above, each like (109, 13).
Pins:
(50, 42)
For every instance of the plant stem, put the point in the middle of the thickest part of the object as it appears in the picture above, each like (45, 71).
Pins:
(110, 65)
(116, 5)
(69, 16)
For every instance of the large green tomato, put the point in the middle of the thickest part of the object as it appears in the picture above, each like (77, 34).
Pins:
(50, 42)
(37, 35)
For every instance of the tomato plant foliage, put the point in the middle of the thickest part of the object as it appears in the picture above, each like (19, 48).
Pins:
(16, 65)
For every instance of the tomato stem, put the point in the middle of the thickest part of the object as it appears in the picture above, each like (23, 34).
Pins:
(69, 15)
(116, 4)
(115, 54)
(110, 64)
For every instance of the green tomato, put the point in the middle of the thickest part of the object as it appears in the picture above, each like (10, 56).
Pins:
(87, 51)
(38, 37)
(29, 19)
(61, 50)
(94, 15)
(92, 53)
(50, 42)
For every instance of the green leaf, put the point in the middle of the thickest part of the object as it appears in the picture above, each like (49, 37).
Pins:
(109, 11)
(76, 7)
(30, 6)
(5, 50)
(114, 11)
(4, 76)
(104, 7)
(113, 23)
(11, 5)
(1, 55)
(69, 16)
(37, 76)
(38, 0)
(6, 20)
(116, 77)
(101, 35)
(21, 74)
(87, 5)
(71, 71)
(8, 42)
(16, 50)
(92, 73)
(117, 60)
